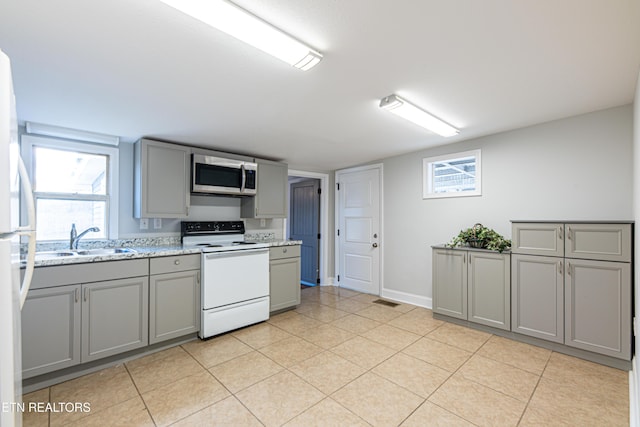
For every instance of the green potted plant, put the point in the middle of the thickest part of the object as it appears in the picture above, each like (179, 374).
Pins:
(482, 237)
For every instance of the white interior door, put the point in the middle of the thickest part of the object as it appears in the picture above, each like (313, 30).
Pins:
(359, 239)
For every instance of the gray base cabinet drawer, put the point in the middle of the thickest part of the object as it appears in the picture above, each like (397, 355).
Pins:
(50, 330)
(607, 242)
(545, 239)
(174, 305)
(280, 252)
(171, 264)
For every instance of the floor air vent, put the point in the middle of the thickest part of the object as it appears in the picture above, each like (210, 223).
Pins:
(387, 303)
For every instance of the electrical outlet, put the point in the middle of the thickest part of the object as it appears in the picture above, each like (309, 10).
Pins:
(157, 223)
(144, 223)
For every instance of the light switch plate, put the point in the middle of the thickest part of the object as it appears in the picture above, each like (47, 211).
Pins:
(144, 223)
(157, 223)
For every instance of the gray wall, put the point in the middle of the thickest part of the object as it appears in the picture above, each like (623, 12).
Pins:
(577, 168)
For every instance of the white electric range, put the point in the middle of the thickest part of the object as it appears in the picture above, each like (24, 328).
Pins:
(235, 275)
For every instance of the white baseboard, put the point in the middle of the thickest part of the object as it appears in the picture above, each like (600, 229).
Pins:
(407, 298)
(330, 281)
(634, 395)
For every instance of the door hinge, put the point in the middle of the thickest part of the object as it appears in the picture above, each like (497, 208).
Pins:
(319, 190)
(338, 231)
(338, 277)
(338, 184)
(318, 281)
(318, 236)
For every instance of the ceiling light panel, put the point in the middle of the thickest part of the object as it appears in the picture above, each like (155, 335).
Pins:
(237, 22)
(410, 112)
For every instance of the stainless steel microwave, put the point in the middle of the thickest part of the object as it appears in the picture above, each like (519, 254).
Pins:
(217, 175)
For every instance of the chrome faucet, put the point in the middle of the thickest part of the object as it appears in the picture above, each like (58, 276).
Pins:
(75, 237)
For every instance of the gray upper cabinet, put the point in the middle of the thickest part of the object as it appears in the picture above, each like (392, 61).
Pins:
(284, 277)
(538, 239)
(50, 330)
(450, 283)
(271, 198)
(174, 297)
(537, 296)
(115, 317)
(161, 180)
(607, 242)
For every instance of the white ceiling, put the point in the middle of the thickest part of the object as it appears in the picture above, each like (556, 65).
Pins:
(137, 68)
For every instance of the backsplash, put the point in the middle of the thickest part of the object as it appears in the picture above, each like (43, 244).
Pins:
(257, 236)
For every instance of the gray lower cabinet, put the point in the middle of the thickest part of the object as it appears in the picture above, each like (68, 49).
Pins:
(597, 306)
(489, 289)
(472, 285)
(537, 307)
(83, 312)
(115, 317)
(174, 297)
(271, 198)
(450, 283)
(284, 277)
(50, 330)
(580, 298)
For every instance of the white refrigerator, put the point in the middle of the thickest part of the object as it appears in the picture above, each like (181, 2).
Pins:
(13, 292)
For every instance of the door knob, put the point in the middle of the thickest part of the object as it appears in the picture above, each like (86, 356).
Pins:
(375, 245)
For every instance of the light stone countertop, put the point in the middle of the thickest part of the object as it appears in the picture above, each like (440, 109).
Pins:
(141, 252)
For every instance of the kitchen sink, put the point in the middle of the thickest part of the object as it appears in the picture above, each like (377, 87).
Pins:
(82, 252)
(54, 254)
(106, 251)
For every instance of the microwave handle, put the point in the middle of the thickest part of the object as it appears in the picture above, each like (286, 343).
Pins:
(244, 178)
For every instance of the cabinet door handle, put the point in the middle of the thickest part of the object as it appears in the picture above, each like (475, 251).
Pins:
(560, 233)
(84, 294)
(198, 278)
(77, 294)
(569, 233)
(569, 268)
(176, 262)
(464, 258)
(560, 267)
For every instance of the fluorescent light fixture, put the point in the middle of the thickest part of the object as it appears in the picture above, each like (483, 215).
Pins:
(408, 111)
(239, 23)
(67, 133)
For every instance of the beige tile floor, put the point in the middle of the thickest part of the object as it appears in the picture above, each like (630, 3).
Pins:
(341, 360)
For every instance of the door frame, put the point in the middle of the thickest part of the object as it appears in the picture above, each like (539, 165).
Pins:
(338, 248)
(324, 221)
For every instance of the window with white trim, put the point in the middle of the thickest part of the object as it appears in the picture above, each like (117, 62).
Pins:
(452, 175)
(73, 183)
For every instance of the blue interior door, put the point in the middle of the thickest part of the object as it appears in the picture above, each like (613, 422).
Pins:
(304, 224)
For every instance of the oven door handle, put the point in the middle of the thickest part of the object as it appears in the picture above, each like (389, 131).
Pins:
(226, 254)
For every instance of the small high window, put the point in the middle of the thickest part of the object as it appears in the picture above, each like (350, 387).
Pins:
(452, 175)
